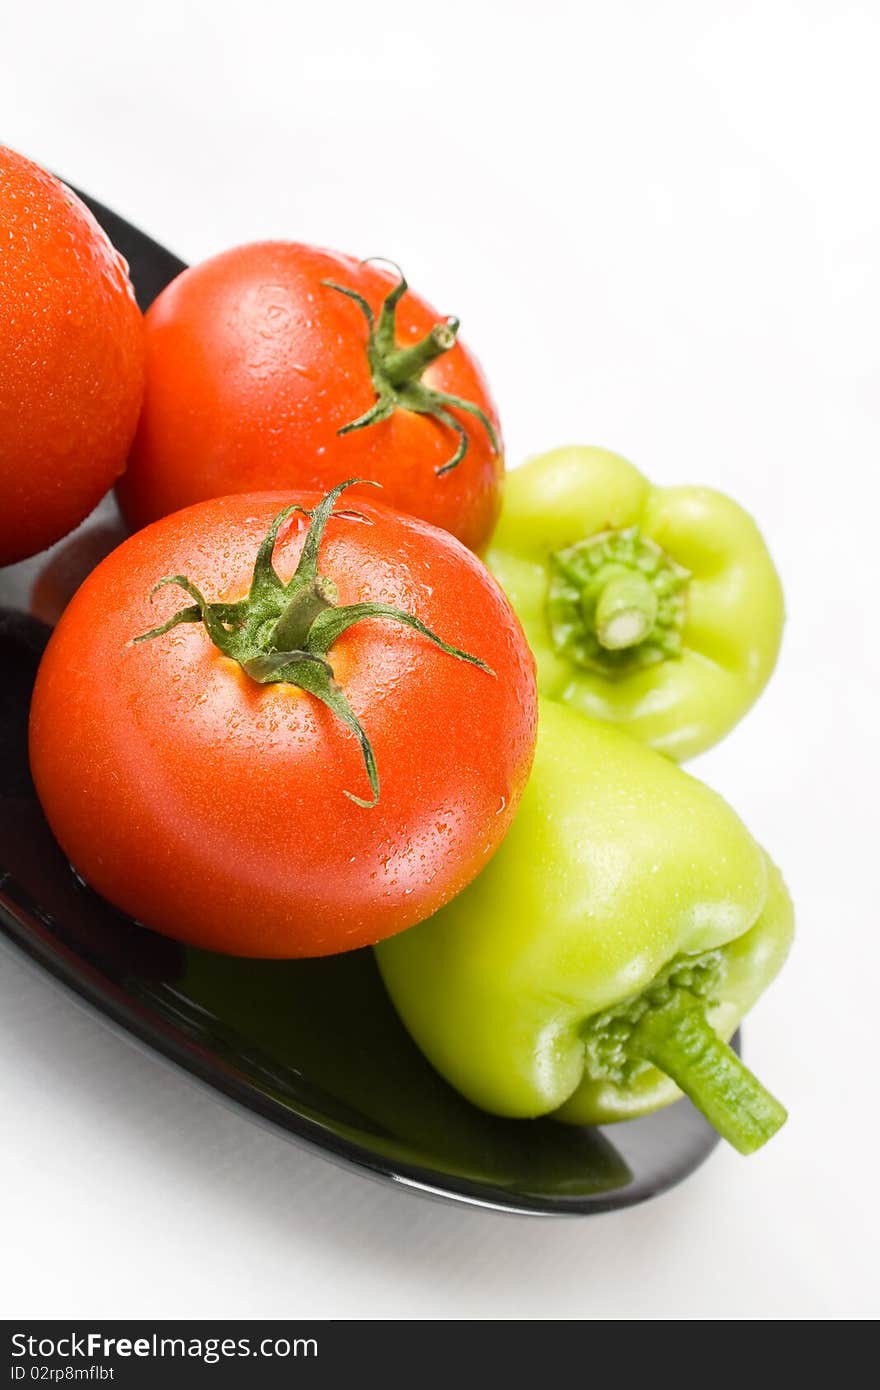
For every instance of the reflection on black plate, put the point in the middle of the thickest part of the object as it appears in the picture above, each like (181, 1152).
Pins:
(312, 1047)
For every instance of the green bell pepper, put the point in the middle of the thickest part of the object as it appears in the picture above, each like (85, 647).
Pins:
(657, 609)
(609, 949)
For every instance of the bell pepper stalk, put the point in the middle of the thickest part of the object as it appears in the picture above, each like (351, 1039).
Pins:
(601, 961)
(657, 609)
(284, 632)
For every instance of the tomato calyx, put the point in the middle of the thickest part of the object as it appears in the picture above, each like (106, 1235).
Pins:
(283, 633)
(396, 372)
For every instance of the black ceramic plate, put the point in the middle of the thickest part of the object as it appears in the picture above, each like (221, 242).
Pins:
(311, 1047)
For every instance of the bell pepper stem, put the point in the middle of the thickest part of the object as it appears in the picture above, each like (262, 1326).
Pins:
(679, 1040)
(626, 611)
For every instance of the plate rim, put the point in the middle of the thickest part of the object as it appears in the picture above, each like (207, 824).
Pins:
(34, 944)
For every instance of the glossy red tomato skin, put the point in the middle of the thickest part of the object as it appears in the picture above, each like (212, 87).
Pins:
(71, 360)
(212, 809)
(253, 366)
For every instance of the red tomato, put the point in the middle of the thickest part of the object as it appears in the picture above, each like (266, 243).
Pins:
(254, 365)
(71, 360)
(213, 808)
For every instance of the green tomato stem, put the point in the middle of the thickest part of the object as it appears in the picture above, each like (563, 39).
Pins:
(282, 633)
(679, 1040)
(407, 364)
(292, 628)
(396, 373)
(625, 611)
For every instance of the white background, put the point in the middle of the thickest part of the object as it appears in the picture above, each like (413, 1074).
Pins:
(659, 225)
